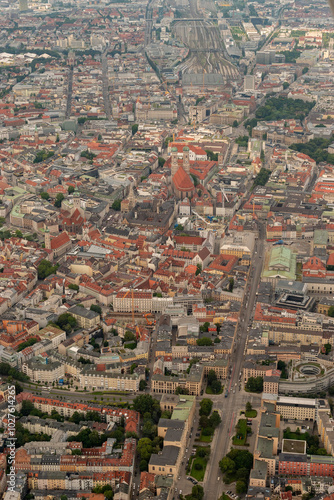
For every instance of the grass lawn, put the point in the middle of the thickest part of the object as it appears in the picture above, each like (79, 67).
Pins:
(205, 439)
(241, 433)
(208, 390)
(251, 414)
(198, 474)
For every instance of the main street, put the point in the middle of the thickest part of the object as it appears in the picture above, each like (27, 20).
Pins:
(229, 407)
(105, 84)
(69, 93)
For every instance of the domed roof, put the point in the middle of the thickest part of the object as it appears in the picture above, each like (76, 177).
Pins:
(182, 180)
(174, 150)
(185, 148)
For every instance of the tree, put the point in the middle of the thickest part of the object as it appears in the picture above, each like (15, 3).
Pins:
(204, 341)
(133, 367)
(235, 124)
(96, 308)
(204, 327)
(66, 322)
(99, 137)
(197, 492)
(161, 161)
(198, 269)
(45, 196)
(282, 367)
(145, 448)
(142, 385)
(262, 177)
(73, 286)
(331, 311)
(242, 141)
(204, 421)
(212, 376)
(59, 199)
(87, 154)
(241, 486)
(249, 406)
(205, 407)
(143, 466)
(305, 70)
(227, 465)
(231, 285)
(149, 429)
(286, 85)
(214, 419)
(45, 268)
(116, 205)
(43, 155)
(134, 128)
(146, 404)
(254, 384)
(129, 337)
(18, 233)
(242, 458)
(328, 348)
(216, 386)
(94, 416)
(243, 474)
(181, 390)
(27, 407)
(211, 155)
(70, 189)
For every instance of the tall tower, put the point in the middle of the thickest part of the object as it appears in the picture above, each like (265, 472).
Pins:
(131, 198)
(47, 240)
(76, 200)
(175, 164)
(186, 164)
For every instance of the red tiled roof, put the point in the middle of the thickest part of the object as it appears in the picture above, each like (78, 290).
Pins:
(59, 241)
(182, 180)
(330, 261)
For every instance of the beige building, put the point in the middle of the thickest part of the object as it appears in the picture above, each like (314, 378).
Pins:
(258, 475)
(238, 244)
(85, 318)
(193, 382)
(297, 408)
(270, 384)
(55, 335)
(41, 371)
(166, 462)
(127, 300)
(92, 379)
(296, 335)
(325, 424)
(219, 366)
(254, 370)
